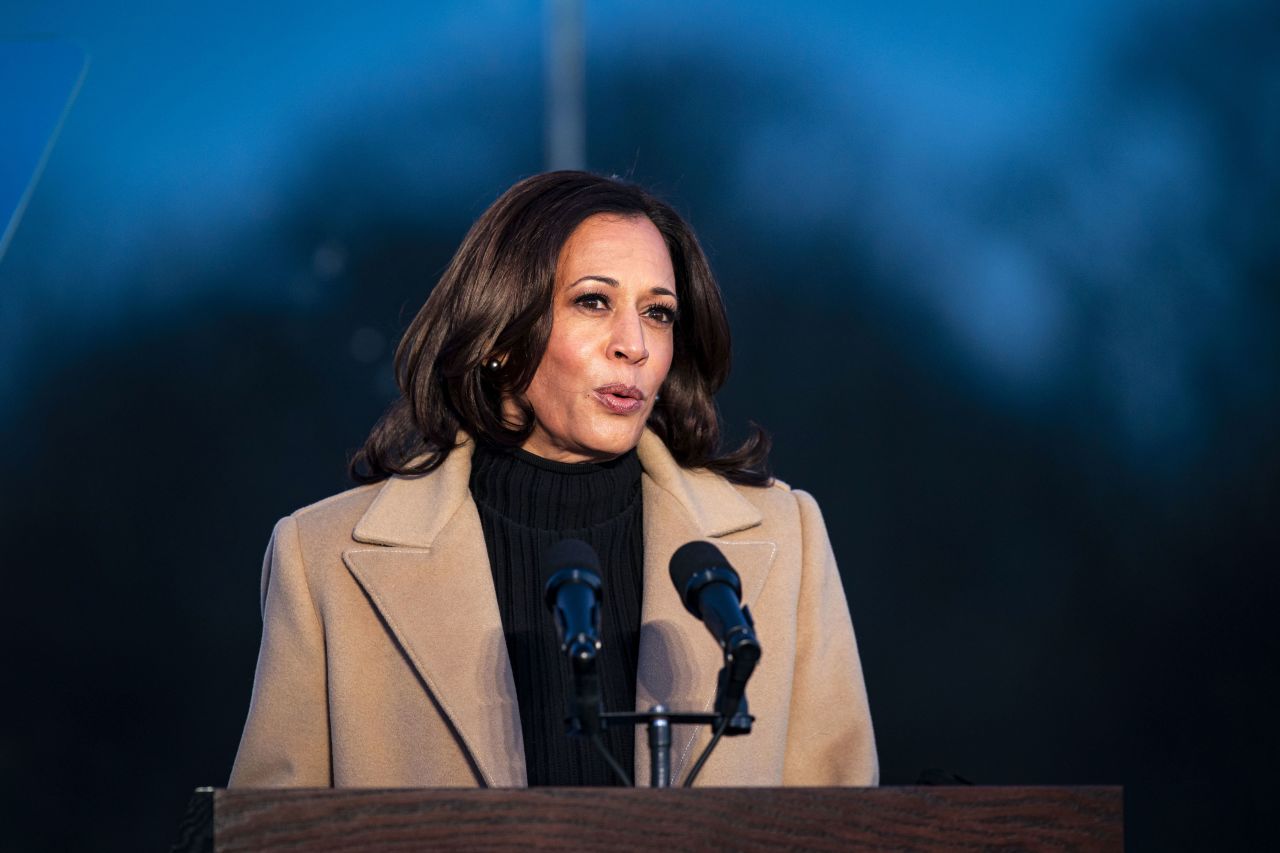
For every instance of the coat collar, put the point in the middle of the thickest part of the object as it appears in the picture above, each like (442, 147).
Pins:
(412, 511)
(450, 628)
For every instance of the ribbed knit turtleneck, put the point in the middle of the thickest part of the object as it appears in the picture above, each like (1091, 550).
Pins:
(526, 504)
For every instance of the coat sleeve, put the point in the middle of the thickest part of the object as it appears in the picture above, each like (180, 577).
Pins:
(286, 737)
(830, 740)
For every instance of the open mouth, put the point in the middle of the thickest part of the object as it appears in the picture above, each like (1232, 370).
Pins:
(620, 399)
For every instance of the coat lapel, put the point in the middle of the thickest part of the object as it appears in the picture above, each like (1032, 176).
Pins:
(679, 659)
(434, 591)
(430, 581)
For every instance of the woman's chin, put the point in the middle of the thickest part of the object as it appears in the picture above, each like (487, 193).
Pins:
(594, 446)
(613, 443)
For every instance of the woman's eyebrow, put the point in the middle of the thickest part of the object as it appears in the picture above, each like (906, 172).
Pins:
(603, 279)
(613, 282)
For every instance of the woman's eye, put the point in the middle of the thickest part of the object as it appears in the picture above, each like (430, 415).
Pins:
(592, 301)
(662, 314)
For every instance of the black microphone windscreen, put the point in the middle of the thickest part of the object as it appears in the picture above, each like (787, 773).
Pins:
(693, 557)
(570, 554)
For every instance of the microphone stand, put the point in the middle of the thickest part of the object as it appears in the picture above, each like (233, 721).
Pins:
(659, 720)
(587, 717)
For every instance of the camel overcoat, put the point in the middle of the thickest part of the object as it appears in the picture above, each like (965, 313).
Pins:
(383, 662)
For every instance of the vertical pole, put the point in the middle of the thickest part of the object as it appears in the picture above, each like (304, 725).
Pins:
(659, 748)
(565, 108)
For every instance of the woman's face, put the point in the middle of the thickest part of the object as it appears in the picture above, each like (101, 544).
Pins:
(611, 341)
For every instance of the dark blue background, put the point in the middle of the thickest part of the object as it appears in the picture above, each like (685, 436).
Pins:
(1003, 280)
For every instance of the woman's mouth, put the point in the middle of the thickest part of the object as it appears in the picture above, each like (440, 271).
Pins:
(620, 399)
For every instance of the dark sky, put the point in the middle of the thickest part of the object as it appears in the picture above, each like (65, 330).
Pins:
(1003, 286)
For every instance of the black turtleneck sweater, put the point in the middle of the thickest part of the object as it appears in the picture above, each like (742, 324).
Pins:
(526, 504)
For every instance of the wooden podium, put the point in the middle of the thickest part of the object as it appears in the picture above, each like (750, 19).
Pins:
(614, 819)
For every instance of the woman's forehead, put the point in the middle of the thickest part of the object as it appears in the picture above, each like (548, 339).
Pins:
(622, 249)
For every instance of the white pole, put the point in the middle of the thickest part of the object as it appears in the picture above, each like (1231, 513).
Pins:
(565, 108)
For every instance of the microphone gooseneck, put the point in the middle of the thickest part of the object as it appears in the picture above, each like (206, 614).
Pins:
(573, 594)
(710, 590)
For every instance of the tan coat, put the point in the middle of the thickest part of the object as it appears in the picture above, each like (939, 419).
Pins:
(383, 662)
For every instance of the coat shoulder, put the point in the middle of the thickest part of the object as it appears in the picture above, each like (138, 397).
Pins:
(353, 501)
(778, 504)
(330, 521)
(777, 494)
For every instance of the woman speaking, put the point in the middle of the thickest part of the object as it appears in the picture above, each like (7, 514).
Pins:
(558, 383)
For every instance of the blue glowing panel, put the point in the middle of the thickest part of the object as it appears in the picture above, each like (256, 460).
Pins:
(38, 81)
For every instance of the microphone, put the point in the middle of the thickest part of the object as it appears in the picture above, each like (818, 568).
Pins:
(573, 596)
(710, 590)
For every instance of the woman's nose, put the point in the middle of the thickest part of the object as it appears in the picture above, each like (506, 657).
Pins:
(628, 340)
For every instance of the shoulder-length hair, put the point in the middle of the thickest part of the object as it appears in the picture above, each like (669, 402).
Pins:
(495, 299)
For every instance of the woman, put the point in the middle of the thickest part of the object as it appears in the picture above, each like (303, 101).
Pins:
(557, 383)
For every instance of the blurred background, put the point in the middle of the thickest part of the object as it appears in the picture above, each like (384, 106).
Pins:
(1005, 286)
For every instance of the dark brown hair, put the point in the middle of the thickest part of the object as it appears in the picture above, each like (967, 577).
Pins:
(495, 298)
